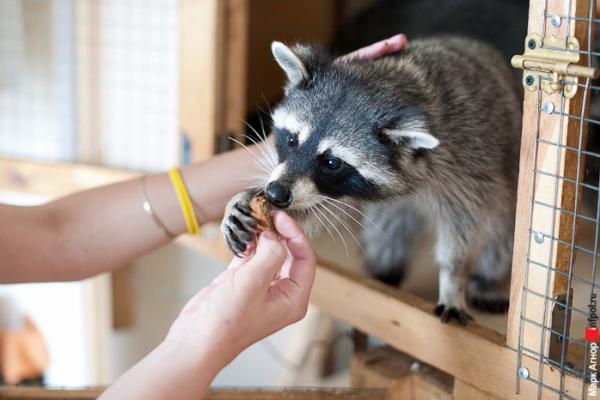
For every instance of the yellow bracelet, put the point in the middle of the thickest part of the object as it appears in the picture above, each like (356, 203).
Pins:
(191, 221)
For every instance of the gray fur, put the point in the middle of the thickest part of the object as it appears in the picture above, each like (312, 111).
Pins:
(458, 91)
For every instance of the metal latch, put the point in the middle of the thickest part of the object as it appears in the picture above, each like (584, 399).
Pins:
(553, 64)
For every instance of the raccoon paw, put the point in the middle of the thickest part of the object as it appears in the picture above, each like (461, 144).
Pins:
(497, 305)
(446, 313)
(239, 226)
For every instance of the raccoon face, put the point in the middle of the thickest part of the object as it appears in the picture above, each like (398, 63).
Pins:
(341, 132)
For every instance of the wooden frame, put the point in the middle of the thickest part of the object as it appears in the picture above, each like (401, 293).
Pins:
(36, 393)
(482, 362)
(536, 156)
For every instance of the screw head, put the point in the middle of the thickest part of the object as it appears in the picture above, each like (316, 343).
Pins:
(538, 237)
(555, 20)
(531, 44)
(523, 373)
(548, 107)
(529, 80)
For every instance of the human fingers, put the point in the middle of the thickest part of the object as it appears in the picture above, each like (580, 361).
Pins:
(387, 46)
(268, 258)
(302, 269)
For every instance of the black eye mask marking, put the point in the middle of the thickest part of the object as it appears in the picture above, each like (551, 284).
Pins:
(282, 143)
(292, 140)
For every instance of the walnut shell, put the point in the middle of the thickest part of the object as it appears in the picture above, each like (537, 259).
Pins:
(260, 209)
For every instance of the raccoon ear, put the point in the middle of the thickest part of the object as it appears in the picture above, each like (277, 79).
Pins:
(291, 64)
(416, 139)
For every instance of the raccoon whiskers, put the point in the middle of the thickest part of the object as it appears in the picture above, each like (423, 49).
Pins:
(254, 181)
(267, 153)
(345, 227)
(320, 219)
(270, 153)
(262, 128)
(258, 160)
(332, 225)
(345, 212)
(331, 199)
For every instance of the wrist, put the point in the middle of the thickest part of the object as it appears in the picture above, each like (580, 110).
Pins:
(199, 357)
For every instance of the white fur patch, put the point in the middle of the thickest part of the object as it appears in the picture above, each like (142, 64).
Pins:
(418, 139)
(451, 291)
(277, 172)
(289, 62)
(304, 193)
(283, 119)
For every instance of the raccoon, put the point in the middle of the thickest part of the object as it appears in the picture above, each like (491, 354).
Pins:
(431, 133)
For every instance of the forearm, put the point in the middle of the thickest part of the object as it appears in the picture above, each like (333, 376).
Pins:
(171, 371)
(101, 229)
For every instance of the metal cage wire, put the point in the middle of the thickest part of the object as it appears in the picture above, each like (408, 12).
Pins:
(92, 81)
(580, 272)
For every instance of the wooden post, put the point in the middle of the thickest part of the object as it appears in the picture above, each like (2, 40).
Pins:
(201, 32)
(549, 226)
(235, 67)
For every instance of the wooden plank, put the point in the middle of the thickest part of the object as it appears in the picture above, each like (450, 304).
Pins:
(40, 393)
(297, 394)
(123, 294)
(378, 367)
(200, 62)
(407, 323)
(235, 67)
(54, 179)
(555, 161)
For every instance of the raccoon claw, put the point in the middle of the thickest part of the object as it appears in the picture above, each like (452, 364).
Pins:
(446, 313)
(239, 227)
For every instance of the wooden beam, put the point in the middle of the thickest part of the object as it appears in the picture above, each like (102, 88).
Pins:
(235, 68)
(40, 393)
(54, 179)
(545, 276)
(474, 353)
(200, 62)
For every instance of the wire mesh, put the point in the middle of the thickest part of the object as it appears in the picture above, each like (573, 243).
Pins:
(563, 223)
(90, 80)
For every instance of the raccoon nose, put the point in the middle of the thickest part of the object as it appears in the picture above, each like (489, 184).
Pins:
(279, 194)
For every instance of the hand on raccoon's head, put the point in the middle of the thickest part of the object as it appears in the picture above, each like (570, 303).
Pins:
(383, 47)
(294, 61)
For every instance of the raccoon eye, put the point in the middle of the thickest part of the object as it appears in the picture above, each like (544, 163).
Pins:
(292, 140)
(333, 163)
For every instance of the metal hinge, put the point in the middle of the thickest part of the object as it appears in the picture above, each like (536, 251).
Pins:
(552, 63)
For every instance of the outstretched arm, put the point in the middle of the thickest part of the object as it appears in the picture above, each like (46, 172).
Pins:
(98, 230)
(101, 229)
